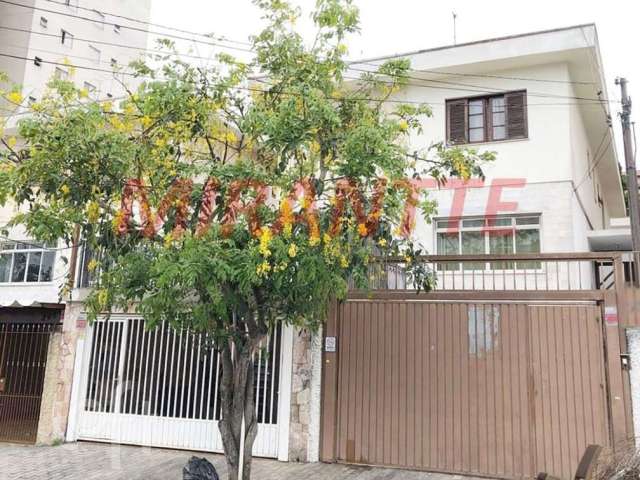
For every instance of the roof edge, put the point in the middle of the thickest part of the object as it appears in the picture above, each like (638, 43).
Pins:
(475, 42)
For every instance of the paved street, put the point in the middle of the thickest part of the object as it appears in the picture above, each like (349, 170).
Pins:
(96, 461)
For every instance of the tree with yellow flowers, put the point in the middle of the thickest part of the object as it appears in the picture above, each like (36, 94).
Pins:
(227, 205)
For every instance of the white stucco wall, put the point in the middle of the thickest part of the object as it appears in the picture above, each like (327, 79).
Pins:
(553, 200)
(554, 158)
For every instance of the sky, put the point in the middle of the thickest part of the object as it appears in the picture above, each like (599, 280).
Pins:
(398, 26)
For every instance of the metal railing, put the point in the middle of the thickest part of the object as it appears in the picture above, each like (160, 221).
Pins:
(535, 272)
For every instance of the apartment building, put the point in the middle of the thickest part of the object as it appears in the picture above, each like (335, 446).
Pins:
(41, 37)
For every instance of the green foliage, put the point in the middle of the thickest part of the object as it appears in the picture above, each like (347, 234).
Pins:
(300, 119)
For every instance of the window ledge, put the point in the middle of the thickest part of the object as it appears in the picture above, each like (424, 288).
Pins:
(471, 144)
(26, 284)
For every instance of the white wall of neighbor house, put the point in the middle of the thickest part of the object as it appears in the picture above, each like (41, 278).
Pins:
(633, 339)
(25, 292)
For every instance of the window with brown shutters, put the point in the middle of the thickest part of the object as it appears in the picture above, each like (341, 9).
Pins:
(457, 121)
(487, 118)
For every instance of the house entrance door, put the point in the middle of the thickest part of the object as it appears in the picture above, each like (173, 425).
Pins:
(23, 361)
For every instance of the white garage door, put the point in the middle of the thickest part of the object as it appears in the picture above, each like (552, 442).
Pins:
(161, 388)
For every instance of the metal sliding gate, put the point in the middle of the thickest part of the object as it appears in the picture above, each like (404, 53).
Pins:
(497, 389)
(161, 388)
(23, 361)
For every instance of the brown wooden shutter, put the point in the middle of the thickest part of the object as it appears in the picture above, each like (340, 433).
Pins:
(516, 109)
(457, 121)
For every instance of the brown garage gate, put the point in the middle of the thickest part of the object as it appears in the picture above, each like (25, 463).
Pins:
(502, 389)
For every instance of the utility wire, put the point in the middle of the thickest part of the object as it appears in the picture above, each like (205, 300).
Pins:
(145, 22)
(250, 89)
(477, 75)
(597, 160)
(466, 87)
(99, 42)
(481, 88)
(143, 30)
(249, 50)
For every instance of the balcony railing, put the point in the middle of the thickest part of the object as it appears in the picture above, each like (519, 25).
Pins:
(536, 272)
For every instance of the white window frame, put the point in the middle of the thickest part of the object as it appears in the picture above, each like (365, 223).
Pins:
(96, 54)
(28, 248)
(66, 38)
(90, 87)
(99, 19)
(61, 74)
(487, 227)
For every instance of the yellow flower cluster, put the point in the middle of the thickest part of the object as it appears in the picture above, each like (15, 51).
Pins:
(286, 216)
(65, 190)
(103, 296)
(117, 220)
(293, 250)
(314, 239)
(362, 230)
(15, 97)
(168, 240)
(93, 211)
(265, 241)
(263, 269)
(92, 265)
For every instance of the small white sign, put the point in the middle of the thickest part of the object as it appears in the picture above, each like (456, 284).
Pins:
(330, 344)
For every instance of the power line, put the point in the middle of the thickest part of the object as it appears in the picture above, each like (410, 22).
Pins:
(92, 60)
(143, 30)
(466, 87)
(481, 88)
(477, 75)
(249, 50)
(597, 161)
(256, 90)
(145, 22)
(99, 42)
(239, 42)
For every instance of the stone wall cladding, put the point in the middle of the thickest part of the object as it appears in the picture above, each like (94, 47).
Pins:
(633, 340)
(305, 397)
(56, 393)
(300, 396)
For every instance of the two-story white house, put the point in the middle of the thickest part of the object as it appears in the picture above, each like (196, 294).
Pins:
(540, 102)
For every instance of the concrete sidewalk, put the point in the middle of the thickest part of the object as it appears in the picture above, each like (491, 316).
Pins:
(85, 461)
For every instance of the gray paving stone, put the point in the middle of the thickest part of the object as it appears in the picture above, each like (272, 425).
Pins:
(89, 461)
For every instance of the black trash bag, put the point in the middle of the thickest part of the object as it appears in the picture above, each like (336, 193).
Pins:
(199, 469)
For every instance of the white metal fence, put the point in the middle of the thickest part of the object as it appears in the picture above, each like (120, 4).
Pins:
(161, 387)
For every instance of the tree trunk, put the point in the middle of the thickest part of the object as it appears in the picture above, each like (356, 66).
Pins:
(238, 398)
